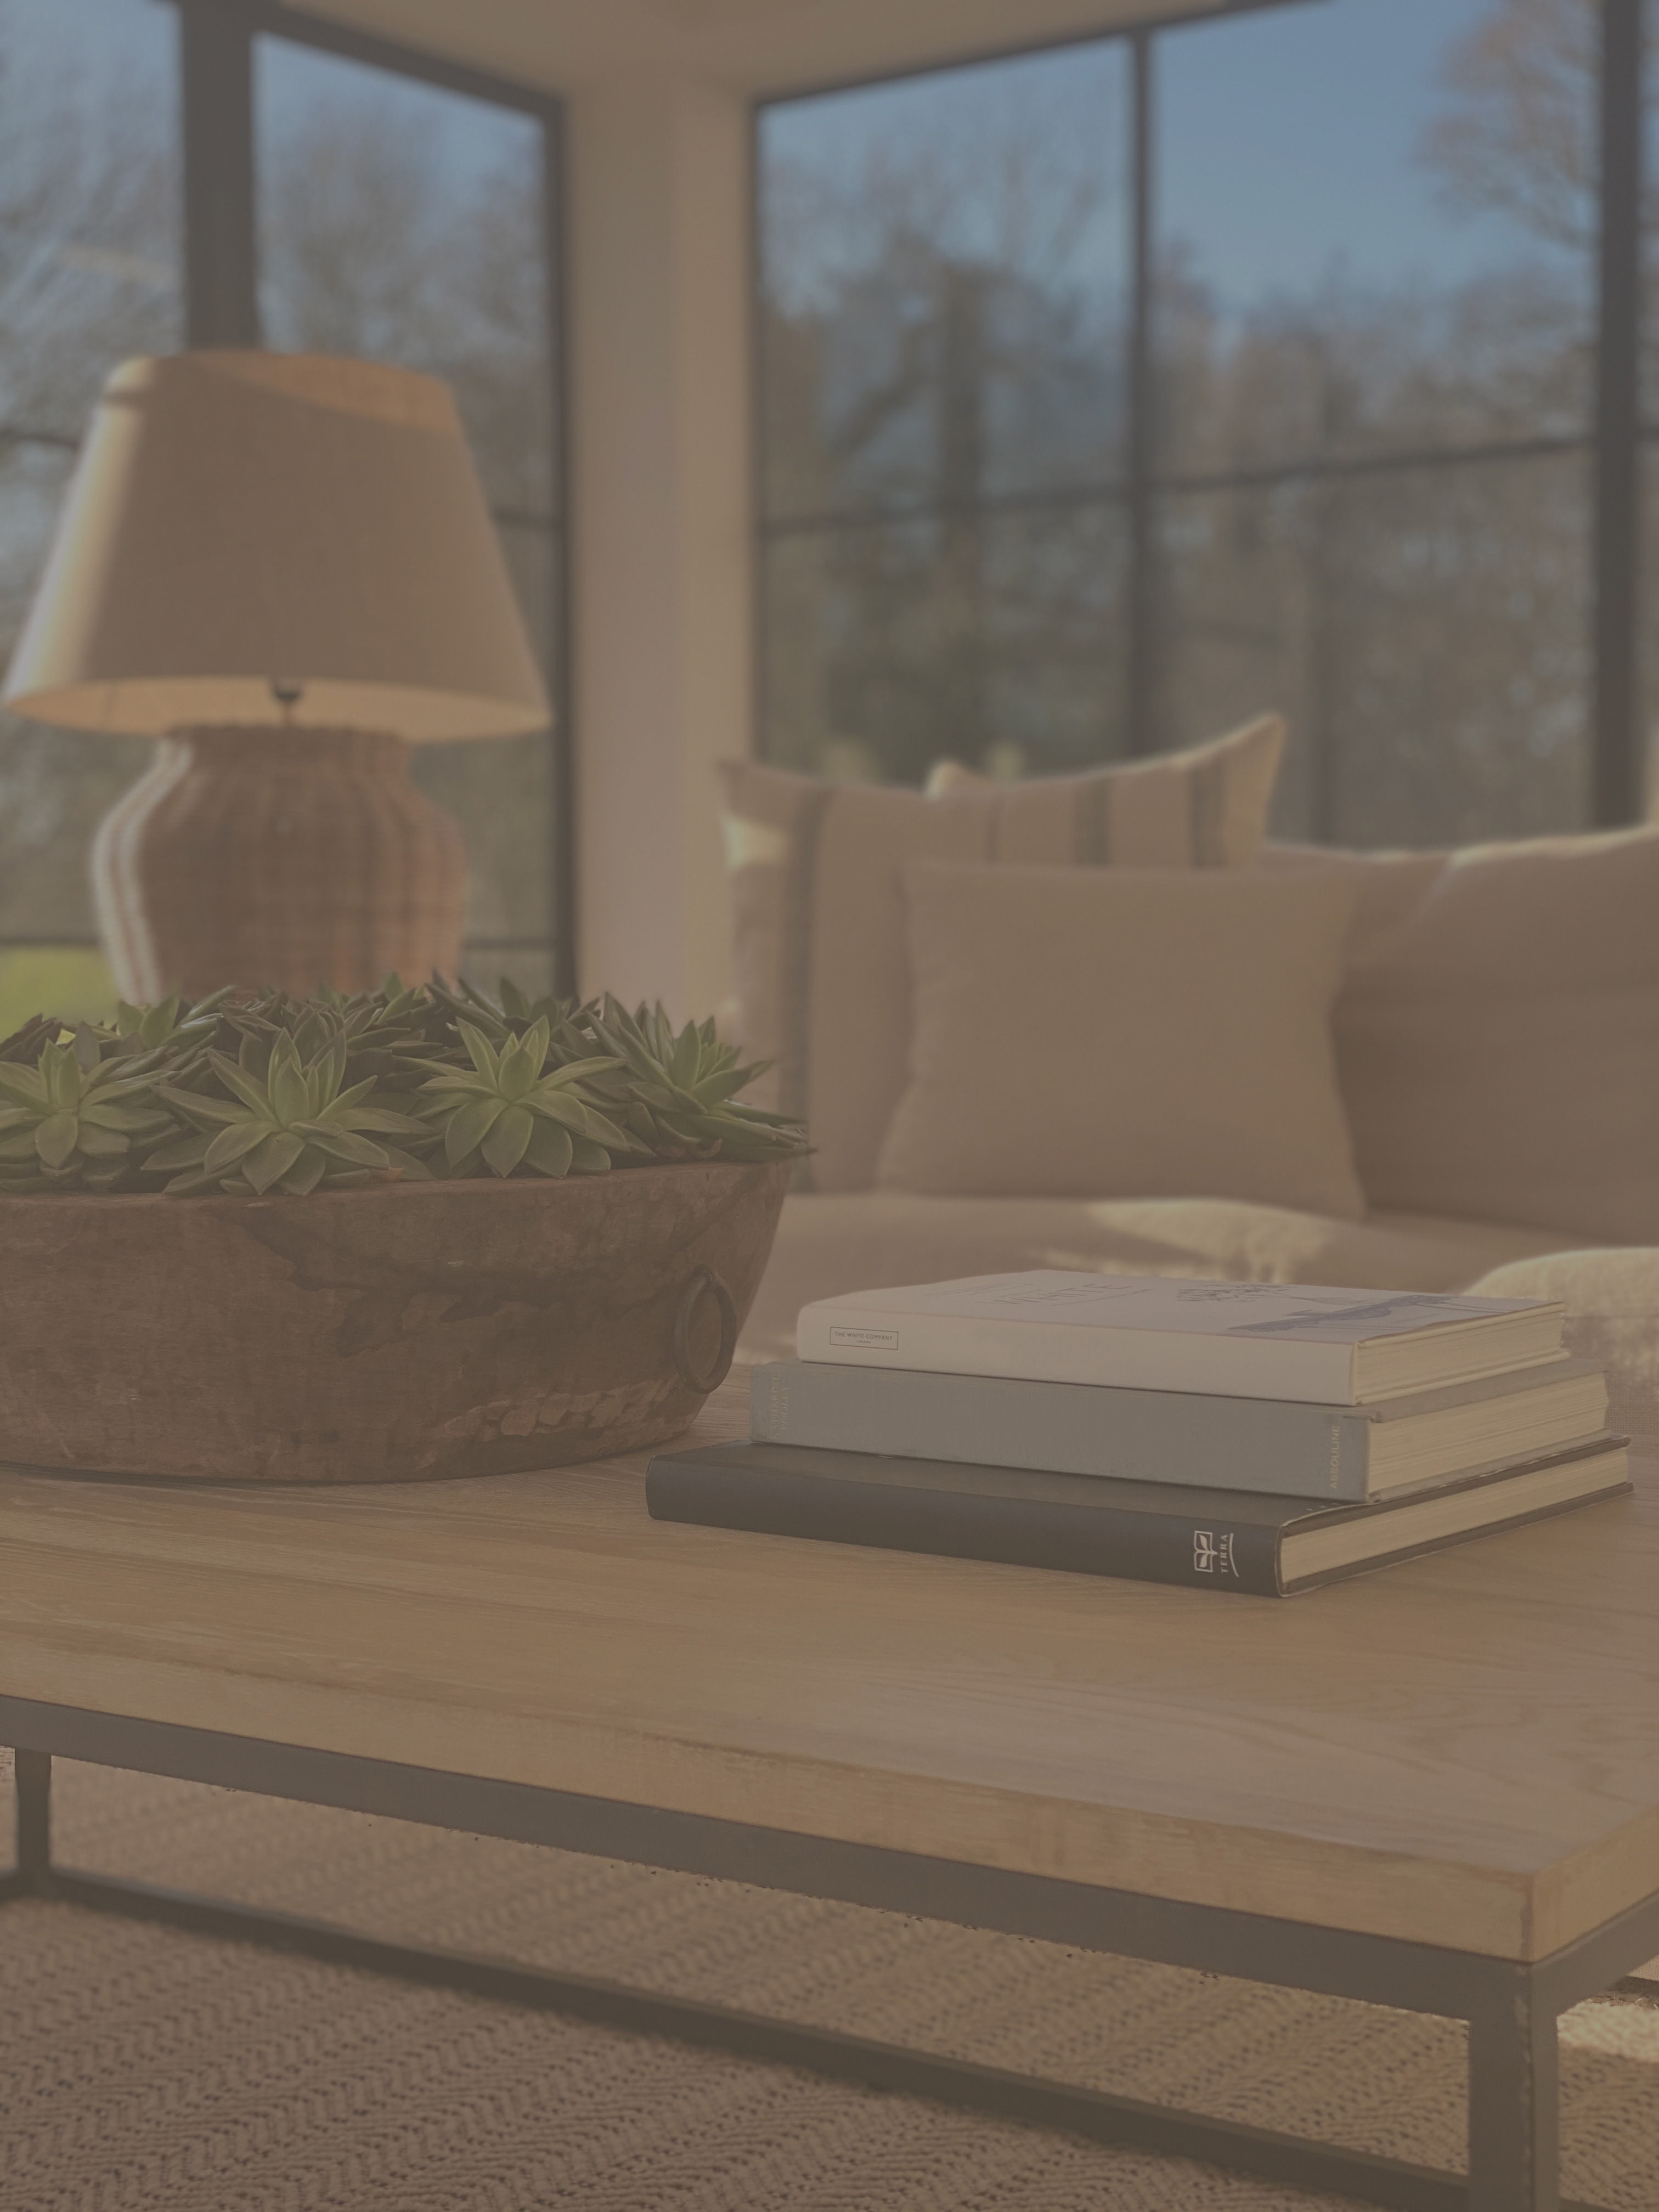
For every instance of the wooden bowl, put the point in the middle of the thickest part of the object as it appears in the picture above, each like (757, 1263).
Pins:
(395, 1332)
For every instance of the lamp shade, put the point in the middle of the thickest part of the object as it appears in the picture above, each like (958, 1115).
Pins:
(240, 521)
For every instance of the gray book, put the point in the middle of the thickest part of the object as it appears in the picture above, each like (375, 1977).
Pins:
(1282, 1447)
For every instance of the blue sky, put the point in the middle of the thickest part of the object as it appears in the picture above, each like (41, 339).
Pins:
(134, 42)
(1291, 142)
(1288, 139)
(1289, 136)
(469, 138)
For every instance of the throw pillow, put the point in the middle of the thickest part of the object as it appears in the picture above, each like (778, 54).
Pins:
(1125, 1033)
(1498, 1030)
(817, 874)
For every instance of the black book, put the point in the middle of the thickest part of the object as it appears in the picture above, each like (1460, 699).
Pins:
(1258, 1544)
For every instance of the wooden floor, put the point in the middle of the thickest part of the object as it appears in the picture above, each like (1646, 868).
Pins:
(1461, 1750)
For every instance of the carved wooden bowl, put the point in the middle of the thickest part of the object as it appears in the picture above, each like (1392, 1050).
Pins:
(395, 1332)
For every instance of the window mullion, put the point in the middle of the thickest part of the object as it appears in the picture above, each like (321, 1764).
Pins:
(1618, 760)
(221, 285)
(1140, 427)
(561, 737)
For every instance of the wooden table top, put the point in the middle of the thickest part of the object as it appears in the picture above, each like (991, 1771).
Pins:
(1461, 1750)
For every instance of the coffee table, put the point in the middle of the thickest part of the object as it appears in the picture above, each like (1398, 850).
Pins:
(1435, 1787)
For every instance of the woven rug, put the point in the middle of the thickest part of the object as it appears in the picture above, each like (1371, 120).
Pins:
(147, 2068)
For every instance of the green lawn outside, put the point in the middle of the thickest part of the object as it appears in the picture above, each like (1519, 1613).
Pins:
(72, 980)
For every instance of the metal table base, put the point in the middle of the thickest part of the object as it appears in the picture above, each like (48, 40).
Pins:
(1511, 2008)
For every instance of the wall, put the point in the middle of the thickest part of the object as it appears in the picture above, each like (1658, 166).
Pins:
(662, 647)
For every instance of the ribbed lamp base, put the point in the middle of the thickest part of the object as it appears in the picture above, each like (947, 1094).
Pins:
(292, 857)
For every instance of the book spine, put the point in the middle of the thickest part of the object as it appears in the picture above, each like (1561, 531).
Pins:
(1198, 1550)
(1285, 1448)
(1126, 1358)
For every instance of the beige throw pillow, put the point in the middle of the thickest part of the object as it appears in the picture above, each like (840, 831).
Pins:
(1125, 1034)
(817, 873)
(1498, 1030)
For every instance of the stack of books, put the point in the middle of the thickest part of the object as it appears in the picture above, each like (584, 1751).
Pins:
(1260, 1437)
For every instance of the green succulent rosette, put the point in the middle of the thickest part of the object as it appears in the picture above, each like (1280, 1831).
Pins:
(265, 1093)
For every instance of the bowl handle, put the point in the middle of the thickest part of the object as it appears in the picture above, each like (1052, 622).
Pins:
(701, 1279)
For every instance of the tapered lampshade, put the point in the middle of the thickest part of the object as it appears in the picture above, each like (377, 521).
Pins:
(283, 566)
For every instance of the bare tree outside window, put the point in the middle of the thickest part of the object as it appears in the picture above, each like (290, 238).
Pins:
(942, 287)
(397, 220)
(1517, 135)
(1422, 621)
(1373, 350)
(89, 274)
(405, 223)
(372, 245)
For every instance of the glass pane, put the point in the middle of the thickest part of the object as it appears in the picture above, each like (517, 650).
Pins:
(405, 224)
(499, 790)
(943, 284)
(72, 981)
(1376, 228)
(1425, 631)
(89, 202)
(89, 274)
(532, 969)
(1650, 219)
(995, 640)
(55, 784)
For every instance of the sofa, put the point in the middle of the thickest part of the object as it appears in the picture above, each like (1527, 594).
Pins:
(1492, 1019)
(864, 1240)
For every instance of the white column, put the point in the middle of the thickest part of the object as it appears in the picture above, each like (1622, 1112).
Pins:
(658, 226)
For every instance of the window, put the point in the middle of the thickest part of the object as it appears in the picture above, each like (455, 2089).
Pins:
(1645, 250)
(946, 286)
(399, 210)
(1280, 379)
(90, 273)
(406, 221)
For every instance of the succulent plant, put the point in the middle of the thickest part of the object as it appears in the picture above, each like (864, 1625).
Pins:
(682, 1101)
(258, 1091)
(165, 1027)
(73, 1118)
(509, 1108)
(284, 1122)
(22, 1047)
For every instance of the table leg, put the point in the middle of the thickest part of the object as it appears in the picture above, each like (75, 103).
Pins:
(33, 1784)
(1514, 2104)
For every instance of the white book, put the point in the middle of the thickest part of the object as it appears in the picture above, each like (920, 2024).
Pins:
(1300, 1340)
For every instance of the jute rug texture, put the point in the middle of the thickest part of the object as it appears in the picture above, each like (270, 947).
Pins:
(145, 2070)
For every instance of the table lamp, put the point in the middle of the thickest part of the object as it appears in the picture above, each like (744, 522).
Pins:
(282, 566)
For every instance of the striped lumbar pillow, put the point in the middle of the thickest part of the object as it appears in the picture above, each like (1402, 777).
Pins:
(818, 882)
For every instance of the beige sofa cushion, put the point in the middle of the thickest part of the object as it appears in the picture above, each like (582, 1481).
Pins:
(1125, 1033)
(869, 1240)
(1498, 1032)
(1612, 1299)
(817, 882)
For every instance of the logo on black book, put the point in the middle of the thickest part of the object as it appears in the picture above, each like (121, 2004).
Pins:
(1213, 1554)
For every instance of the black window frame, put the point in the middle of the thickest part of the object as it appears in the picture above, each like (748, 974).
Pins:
(1612, 443)
(220, 254)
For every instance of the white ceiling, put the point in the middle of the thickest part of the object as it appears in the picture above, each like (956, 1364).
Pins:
(755, 46)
